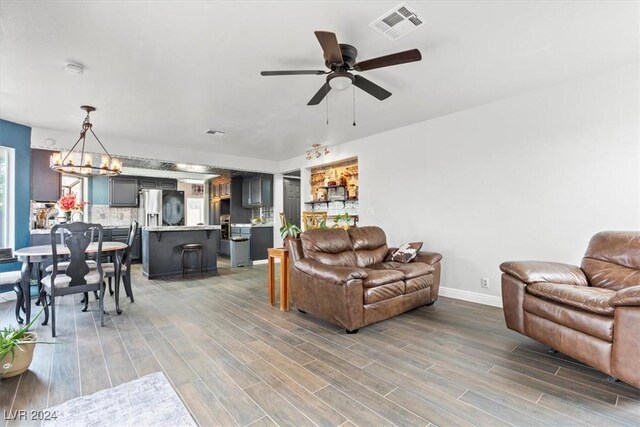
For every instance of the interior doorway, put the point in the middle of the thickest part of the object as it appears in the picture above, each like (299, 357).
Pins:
(291, 192)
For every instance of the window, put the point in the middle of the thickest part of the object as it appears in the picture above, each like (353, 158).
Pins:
(6, 197)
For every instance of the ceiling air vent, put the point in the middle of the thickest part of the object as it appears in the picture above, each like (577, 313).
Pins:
(398, 22)
(215, 132)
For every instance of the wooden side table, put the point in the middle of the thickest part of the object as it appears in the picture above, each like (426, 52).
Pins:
(283, 255)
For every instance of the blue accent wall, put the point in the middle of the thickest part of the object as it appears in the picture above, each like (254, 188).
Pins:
(18, 137)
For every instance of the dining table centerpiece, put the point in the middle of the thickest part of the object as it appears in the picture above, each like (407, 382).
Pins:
(67, 205)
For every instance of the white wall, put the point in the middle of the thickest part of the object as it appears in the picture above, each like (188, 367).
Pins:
(529, 177)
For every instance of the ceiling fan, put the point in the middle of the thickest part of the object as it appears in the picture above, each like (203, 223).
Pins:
(341, 60)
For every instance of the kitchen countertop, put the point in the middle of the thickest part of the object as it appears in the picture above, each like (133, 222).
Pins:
(181, 228)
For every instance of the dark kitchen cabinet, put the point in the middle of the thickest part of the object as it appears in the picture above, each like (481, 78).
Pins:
(159, 183)
(225, 189)
(215, 190)
(123, 192)
(167, 184)
(220, 189)
(256, 191)
(148, 183)
(225, 247)
(215, 212)
(45, 182)
(122, 235)
(246, 193)
(261, 240)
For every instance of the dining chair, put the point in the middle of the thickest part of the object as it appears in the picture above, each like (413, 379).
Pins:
(10, 281)
(283, 219)
(109, 268)
(313, 219)
(78, 278)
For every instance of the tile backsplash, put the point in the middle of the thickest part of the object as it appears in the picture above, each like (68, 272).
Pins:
(105, 215)
(266, 212)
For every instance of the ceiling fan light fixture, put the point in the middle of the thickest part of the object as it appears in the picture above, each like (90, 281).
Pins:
(340, 81)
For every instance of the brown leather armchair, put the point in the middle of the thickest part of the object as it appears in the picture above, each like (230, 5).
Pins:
(346, 277)
(591, 312)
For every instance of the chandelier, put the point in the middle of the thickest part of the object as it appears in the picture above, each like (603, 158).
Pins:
(81, 163)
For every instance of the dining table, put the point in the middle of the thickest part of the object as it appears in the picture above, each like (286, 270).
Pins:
(34, 256)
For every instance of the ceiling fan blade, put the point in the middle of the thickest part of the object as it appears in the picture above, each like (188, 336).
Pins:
(291, 72)
(320, 94)
(330, 46)
(371, 88)
(389, 60)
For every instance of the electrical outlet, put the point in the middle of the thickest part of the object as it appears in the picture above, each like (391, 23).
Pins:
(370, 211)
(484, 283)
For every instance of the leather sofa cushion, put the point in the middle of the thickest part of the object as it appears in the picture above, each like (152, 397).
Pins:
(589, 323)
(330, 246)
(418, 283)
(370, 245)
(383, 292)
(594, 300)
(410, 270)
(612, 259)
(381, 277)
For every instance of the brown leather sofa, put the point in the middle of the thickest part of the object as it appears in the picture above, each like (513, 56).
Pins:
(591, 312)
(346, 277)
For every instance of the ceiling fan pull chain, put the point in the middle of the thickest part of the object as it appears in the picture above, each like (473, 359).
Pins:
(326, 95)
(354, 105)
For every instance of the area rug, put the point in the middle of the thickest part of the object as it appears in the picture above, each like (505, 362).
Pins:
(147, 401)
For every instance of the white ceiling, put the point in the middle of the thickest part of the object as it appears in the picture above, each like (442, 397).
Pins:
(162, 72)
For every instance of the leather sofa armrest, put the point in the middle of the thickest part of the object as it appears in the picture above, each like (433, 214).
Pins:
(334, 274)
(628, 296)
(430, 258)
(540, 271)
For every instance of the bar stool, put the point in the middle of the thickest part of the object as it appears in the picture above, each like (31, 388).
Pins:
(188, 248)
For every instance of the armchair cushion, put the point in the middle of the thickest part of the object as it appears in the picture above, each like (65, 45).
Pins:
(627, 296)
(333, 274)
(540, 271)
(594, 300)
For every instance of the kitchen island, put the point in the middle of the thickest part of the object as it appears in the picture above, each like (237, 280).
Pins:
(162, 248)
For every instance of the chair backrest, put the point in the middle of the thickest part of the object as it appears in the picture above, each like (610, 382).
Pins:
(133, 229)
(77, 238)
(612, 260)
(283, 219)
(312, 219)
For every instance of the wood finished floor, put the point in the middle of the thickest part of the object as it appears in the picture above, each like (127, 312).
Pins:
(236, 361)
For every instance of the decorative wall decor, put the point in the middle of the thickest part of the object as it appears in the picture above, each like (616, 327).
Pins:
(197, 190)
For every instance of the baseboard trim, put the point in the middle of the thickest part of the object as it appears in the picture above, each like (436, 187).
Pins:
(471, 296)
(259, 261)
